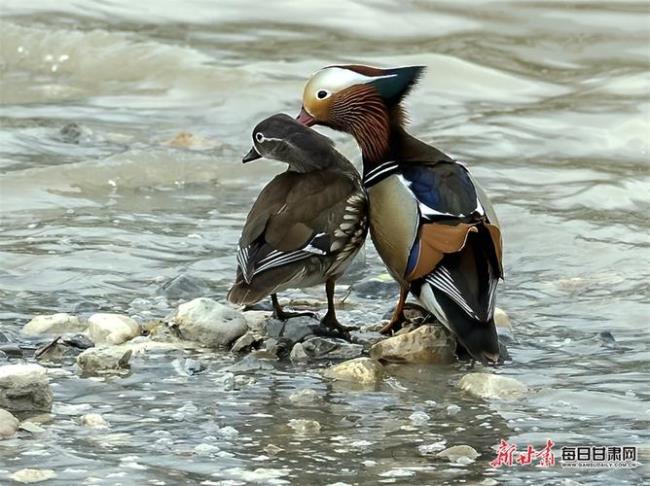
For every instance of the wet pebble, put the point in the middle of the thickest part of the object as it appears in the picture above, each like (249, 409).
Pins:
(491, 386)
(107, 328)
(419, 418)
(54, 324)
(430, 449)
(426, 344)
(105, 359)
(459, 454)
(304, 426)
(228, 432)
(503, 325)
(359, 370)
(25, 388)
(8, 424)
(330, 348)
(11, 350)
(209, 322)
(246, 342)
(453, 409)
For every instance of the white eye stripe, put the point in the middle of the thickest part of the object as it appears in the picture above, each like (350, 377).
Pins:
(335, 79)
(260, 138)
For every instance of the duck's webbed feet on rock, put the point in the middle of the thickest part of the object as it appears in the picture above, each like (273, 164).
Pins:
(331, 327)
(283, 315)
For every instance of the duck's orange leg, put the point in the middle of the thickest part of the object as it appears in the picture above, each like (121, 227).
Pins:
(398, 315)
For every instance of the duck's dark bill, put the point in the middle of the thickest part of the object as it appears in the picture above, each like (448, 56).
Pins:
(251, 155)
(305, 118)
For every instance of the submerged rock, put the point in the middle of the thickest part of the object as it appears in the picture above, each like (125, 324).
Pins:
(69, 345)
(54, 324)
(25, 388)
(491, 386)
(330, 348)
(112, 328)
(8, 424)
(105, 359)
(459, 454)
(32, 475)
(209, 322)
(93, 421)
(426, 344)
(359, 370)
(304, 426)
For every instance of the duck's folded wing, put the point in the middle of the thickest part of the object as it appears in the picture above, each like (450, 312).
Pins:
(458, 248)
(292, 219)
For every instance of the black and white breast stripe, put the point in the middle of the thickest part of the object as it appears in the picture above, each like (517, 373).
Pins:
(380, 173)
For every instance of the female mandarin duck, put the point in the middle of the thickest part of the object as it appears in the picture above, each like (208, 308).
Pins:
(306, 225)
(431, 224)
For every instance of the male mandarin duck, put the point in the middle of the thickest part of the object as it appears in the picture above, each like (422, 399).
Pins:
(306, 225)
(432, 225)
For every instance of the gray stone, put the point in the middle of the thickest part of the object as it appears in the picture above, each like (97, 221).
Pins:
(459, 454)
(359, 370)
(246, 342)
(297, 329)
(256, 321)
(54, 324)
(329, 348)
(210, 323)
(25, 388)
(260, 360)
(112, 328)
(491, 386)
(11, 350)
(429, 343)
(298, 354)
(104, 359)
(8, 424)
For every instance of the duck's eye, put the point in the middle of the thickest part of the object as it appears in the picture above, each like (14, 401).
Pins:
(322, 94)
(259, 137)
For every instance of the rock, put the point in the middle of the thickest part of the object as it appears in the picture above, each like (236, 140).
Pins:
(11, 350)
(8, 424)
(297, 329)
(491, 386)
(188, 366)
(459, 454)
(298, 354)
(93, 421)
(54, 324)
(376, 287)
(31, 427)
(359, 370)
(112, 328)
(32, 475)
(104, 359)
(304, 396)
(453, 409)
(246, 342)
(209, 322)
(426, 344)
(256, 321)
(304, 426)
(503, 325)
(329, 348)
(25, 388)
(273, 450)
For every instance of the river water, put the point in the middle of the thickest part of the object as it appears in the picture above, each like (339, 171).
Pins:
(104, 201)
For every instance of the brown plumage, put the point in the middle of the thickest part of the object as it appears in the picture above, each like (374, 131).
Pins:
(307, 224)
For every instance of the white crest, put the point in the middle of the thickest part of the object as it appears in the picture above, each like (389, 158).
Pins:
(335, 79)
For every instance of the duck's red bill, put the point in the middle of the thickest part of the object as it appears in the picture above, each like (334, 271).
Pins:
(305, 118)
